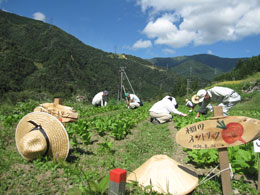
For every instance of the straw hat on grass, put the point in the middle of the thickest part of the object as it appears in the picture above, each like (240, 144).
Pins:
(40, 134)
(165, 175)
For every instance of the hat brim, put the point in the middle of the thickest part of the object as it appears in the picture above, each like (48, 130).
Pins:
(195, 99)
(54, 129)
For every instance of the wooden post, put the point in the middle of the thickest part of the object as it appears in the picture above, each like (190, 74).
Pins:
(57, 101)
(223, 161)
(117, 182)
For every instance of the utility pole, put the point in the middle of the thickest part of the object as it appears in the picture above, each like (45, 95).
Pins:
(122, 87)
(189, 81)
(188, 86)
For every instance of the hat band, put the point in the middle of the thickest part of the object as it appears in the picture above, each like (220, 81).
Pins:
(39, 127)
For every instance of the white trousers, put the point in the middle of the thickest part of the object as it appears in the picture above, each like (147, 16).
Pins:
(163, 118)
(134, 105)
(231, 101)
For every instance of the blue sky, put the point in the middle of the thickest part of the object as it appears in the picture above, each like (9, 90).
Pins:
(153, 28)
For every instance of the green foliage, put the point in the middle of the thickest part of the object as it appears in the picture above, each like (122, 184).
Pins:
(12, 117)
(202, 158)
(244, 187)
(243, 69)
(106, 146)
(39, 57)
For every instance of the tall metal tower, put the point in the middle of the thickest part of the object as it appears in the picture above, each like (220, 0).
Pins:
(122, 87)
(189, 82)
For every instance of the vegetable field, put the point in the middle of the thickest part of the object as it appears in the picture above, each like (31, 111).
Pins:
(114, 137)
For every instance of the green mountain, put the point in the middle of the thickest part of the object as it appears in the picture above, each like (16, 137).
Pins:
(38, 59)
(243, 69)
(203, 65)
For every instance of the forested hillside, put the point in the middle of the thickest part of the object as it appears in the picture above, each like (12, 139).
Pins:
(243, 69)
(38, 59)
(210, 65)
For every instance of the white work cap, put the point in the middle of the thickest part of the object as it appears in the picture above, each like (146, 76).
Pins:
(201, 94)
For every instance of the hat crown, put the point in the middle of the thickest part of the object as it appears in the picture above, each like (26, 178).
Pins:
(39, 134)
(201, 93)
(32, 145)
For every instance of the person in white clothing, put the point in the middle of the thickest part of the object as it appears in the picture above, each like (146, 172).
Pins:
(161, 111)
(190, 105)
(100, 99)
(226, 97)
(133, 101)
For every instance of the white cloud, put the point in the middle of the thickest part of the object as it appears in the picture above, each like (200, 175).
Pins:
(210, 52)
(180, 23)
(169, 51)
(39, 16)
(140, 44)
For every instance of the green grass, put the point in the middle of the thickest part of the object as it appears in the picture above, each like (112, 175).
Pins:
(89, 163)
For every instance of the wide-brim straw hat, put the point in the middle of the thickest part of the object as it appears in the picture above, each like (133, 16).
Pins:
(195, 99)
(39, 134)
(165, 175)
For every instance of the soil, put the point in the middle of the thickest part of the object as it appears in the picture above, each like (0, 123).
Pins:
(180, 156)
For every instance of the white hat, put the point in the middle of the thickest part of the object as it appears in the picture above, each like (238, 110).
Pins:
(165, 175)
(199, 97)
(201, 93)
(39, 134)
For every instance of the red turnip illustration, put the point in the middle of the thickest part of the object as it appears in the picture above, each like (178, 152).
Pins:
(232, 132)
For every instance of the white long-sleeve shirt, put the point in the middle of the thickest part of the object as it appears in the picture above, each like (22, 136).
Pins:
(134, 98)
(165, 106)
(98, 99)
(221, 95)
(189, 103)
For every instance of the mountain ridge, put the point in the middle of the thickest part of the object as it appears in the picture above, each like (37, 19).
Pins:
(215, 65)
(41, 57)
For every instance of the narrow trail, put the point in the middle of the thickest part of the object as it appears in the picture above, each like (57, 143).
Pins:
(180, 156)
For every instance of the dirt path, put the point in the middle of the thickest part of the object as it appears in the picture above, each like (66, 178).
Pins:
(180, 156)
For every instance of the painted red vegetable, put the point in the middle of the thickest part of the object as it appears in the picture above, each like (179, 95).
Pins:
(232, 132)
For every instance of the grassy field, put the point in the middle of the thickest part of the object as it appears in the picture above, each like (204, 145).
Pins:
(87, 167)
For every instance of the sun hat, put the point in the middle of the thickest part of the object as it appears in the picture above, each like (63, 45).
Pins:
(126, 94)
(106, 92)
(199, 97)
(38, 134)
(165, 175)
(195, 99)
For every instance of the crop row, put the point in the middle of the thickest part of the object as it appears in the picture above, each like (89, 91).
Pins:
(87, 111)
(117, 126)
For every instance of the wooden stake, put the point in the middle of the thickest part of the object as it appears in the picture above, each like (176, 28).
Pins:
(57, 101)
(223, 161)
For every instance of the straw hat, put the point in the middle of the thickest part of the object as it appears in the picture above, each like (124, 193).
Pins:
(199, 97)
(38, 134)
(165, 175)
(195, 99)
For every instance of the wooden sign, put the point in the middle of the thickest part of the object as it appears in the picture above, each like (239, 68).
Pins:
(64, 113)
(220, 132)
